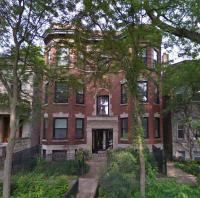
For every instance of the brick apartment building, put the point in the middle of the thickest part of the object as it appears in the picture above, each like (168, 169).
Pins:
(93, 117)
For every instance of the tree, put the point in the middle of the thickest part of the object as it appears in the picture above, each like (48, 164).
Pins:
(181, 85)
(22, 23)
(139, 21)
(121, 37)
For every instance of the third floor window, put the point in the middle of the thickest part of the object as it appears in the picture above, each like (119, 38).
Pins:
(63, 57)
(124, 93)
(155, 58)
(102, 105)
(143, 55)
(143, 91)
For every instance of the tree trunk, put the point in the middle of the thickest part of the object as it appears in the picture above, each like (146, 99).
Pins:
(9, 151)
(142, 168)
(139, 138)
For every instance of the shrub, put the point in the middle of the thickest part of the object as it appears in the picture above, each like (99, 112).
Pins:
(192, 167)
(118, 179)
(34, 185)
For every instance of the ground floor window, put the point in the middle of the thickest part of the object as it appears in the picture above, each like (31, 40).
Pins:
(157, 127)
(60, 128)
(196, 155)
(45, 127)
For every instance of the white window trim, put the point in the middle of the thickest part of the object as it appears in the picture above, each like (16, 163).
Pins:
(177, 132)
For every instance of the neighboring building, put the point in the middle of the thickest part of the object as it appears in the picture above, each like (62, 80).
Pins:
(94, 118)
(181, 138)
(24, 135)
(184, 142)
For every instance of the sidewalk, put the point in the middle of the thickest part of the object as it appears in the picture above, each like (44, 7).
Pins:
(180, 175)
(88, 183)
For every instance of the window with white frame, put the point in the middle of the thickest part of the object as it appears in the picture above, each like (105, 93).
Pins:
(143, 91)
(180, 131)
(103, 105)
(155, 58)
(63, 57)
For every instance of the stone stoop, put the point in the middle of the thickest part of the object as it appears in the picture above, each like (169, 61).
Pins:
(101, 155)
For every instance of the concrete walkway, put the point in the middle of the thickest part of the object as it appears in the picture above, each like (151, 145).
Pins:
(180, 175)
(88, 183)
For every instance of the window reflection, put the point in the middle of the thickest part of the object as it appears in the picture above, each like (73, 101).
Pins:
(102, 105)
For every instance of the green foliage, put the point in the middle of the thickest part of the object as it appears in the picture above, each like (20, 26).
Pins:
(45, 180)
(119, 178)
(56, 168)
(37, 185)
(192, 167)
(168, 188)
(181, 82)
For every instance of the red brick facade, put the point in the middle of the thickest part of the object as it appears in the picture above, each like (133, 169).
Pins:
(92, 121)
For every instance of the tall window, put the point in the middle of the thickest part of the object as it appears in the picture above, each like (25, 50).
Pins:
(63, 57)
(45, 128)
(61, 92)
(156, 95)
(124, 93)
(60, 128)
(157, 127)
(79, 128)
(143, 91)
(80, 96)
(49, 57)
(124, 128)
(155, 58)
(145, 125)
(197, 133)
(143, 55)
(102, 105)
(46, 93)
(180, 131)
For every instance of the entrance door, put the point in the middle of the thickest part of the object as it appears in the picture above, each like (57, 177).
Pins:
(102, 139)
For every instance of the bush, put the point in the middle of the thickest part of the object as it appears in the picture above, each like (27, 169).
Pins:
(192, 167)
(118, 179)
(169, 188)
(46, 180)
(34, 185)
